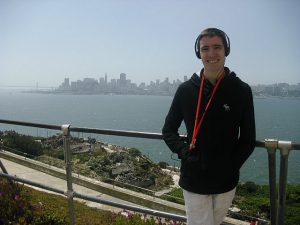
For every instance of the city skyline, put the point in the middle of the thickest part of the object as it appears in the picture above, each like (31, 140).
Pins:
(161, 79)
(124, 86)
(98, 78)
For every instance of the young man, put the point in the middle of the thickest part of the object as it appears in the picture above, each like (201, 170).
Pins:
(217, 109)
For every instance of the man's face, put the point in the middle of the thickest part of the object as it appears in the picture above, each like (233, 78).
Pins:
(212, 53)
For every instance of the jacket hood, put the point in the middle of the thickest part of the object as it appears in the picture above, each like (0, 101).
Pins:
(195, 79)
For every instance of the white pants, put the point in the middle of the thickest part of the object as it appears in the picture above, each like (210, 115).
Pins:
(207, 209)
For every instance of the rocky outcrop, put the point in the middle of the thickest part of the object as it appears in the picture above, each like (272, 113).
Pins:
(127, 168)
(113, 162)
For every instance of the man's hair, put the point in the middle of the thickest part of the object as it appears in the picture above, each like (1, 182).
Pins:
(211, 32)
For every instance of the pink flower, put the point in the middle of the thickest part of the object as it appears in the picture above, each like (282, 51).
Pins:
(130, 214)
(17, 197)
(127, 214)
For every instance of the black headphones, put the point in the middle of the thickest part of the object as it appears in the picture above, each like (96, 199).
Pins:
(213, 32)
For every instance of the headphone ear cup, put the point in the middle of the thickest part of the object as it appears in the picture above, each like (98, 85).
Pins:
(198, 54)
(227, 50)
(197, 50)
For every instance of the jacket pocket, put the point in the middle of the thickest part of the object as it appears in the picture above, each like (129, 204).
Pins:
(192, 163)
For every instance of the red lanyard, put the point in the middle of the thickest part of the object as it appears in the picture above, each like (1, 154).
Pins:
(197, 126)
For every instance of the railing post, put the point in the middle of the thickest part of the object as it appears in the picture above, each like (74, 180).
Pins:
(271, 145)
(68, 161)
(3, 168)
(285, 147)
(1, 165)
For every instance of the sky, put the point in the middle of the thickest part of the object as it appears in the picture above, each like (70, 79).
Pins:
(44, 41)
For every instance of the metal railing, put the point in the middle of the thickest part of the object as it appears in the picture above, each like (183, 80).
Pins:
(277, 209)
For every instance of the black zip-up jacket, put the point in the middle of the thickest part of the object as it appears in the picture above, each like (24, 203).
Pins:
(225, 140)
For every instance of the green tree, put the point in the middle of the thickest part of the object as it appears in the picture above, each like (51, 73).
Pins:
(134, 152)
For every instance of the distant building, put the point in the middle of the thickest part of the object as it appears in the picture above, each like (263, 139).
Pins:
(65, 86)
(122, 79)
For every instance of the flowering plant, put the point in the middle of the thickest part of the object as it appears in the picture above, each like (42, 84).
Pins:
(129, 218)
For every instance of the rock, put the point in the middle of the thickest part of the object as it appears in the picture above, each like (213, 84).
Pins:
(121, 168)
(234, 209)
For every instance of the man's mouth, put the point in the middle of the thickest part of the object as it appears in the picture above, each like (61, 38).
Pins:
(212, 61)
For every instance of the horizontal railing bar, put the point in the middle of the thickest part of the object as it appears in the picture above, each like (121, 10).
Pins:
(117, 132)
(29, 124)
(125, 133)
(295, 145)
(260, 144)
(132, 208)
(25, 181)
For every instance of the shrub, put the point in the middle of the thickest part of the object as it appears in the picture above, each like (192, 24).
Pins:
(48, 219)
(247, 188)
(14, 207)
(22, 143)
(134, 152)
(163, 165)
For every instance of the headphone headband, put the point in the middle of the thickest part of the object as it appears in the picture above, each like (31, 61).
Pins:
(213, 32)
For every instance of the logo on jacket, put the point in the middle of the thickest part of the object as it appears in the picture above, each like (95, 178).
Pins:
(226, 107)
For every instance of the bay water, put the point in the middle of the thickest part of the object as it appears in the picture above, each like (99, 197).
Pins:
(277, 118)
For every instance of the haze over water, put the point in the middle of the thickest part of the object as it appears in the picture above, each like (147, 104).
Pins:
(276, 118)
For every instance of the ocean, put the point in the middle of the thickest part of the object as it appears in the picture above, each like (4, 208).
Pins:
(276, 118)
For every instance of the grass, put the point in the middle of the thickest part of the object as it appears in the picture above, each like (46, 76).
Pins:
(58, 205)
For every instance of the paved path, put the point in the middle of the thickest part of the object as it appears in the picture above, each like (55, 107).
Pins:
(40, 177)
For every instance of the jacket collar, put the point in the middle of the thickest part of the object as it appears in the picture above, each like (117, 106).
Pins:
(195, 79)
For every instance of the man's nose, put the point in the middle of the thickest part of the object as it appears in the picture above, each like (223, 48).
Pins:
(211, 52)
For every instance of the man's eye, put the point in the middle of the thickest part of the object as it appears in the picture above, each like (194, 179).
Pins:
(217, 47)
(204, 49)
